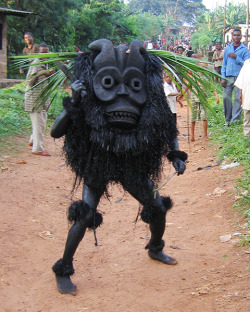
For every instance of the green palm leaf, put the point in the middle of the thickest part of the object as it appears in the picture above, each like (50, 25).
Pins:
(189, 72)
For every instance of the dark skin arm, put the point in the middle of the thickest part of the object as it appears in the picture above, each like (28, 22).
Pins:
(61, 123)
(178, 164)
(240, 96)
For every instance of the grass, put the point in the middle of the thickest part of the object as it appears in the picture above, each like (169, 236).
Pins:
(232, 146)
(13, 119)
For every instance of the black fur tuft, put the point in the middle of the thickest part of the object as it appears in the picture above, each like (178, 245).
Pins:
(61, 269)
(167, 202)
(79, 210)
(149, 212)
(154, 248)
(98, 220)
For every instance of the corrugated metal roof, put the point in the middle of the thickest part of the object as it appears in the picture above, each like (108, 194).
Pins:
(7, 11)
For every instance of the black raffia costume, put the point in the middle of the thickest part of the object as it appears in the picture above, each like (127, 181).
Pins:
(117, 128)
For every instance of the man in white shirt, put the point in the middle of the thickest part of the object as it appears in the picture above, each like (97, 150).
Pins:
(243, 83)
(171, 93)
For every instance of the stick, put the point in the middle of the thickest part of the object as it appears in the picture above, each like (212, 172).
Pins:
(158, 188)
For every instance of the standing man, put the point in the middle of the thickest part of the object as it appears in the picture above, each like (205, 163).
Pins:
(36, 74)
(30, 48)
(234, 56)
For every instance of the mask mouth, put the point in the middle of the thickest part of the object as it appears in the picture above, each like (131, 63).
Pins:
(122, 120)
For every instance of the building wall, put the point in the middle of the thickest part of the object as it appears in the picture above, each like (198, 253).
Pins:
(3, 46)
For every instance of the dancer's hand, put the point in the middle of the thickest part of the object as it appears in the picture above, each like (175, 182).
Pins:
(179, 166)
(78, 92)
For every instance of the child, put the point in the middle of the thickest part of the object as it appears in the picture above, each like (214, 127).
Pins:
(199, 111)
(171, 93)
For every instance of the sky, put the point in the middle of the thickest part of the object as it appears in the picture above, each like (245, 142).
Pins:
(211, 4)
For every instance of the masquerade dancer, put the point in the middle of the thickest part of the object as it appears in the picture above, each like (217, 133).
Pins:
(118, 127)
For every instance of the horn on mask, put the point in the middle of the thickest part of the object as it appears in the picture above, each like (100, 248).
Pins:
(135, 58)
(106, 56)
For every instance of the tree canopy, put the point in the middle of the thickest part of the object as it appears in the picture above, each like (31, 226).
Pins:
(210, 25)
(62, 24)
(182, 11)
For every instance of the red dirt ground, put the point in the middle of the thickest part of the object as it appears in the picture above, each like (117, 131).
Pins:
(118, 275)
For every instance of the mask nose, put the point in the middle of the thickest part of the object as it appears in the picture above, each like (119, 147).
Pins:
(122, 89)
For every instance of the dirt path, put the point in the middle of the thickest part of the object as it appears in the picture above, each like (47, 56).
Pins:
(118, 275)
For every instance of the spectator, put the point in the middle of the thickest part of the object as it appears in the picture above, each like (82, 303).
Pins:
(171, 93)
(78, 50)
(218, 58)
(234, 56)
(30, 48)
(38, 115)
(198, 110)
(190, 52)
(150, 45)
(243, 83)
(180, 50)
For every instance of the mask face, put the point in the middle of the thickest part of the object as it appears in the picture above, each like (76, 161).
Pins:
(120, 85)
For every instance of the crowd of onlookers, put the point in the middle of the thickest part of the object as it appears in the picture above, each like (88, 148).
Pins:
(168, 44)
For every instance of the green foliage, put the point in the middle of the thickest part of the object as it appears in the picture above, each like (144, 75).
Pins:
(50, 23)
(56, 106)
(62, 24)
(212, 23)
(13, 119)
(200, 39)
(149, 26)
(235, 14)
(181, 11)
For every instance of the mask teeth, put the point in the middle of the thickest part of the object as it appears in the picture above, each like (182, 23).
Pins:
(122, 115)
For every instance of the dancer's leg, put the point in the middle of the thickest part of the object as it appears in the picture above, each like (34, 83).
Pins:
(82, 213)
(154, 213)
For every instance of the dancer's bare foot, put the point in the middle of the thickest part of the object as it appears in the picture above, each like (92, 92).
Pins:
(192, 139)
(206, 138)
(162, 257)
(65, 286)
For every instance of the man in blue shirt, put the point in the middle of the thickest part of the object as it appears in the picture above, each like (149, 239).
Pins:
(234, 57)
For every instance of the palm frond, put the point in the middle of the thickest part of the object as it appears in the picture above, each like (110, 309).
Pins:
(25, 61)
(192, 73)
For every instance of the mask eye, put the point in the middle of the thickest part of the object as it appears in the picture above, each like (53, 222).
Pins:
(108, 82)
(136, 84)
